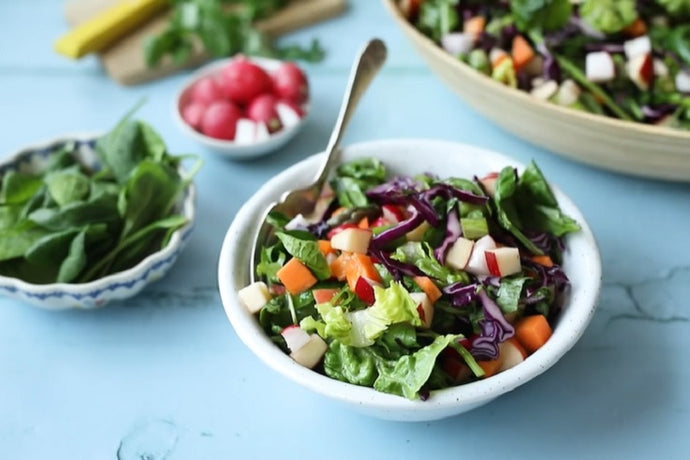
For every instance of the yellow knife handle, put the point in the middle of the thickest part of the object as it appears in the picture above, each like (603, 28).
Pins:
(107, 27)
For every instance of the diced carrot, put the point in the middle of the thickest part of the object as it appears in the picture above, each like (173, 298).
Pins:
(522, 52)
(325, 247)
(474, 25)
(323, 295)
(490, 367)
(339, 265)
(543, 260)
(364, 223)
(360, 265)
(295, 276)
(532, 332)
(636, 29)
(429, 287)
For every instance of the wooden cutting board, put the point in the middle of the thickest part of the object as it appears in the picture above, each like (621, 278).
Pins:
(124, 61)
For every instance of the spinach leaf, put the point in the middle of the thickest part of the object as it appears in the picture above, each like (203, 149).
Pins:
(52, 248)
(307, 251)
(351, 364)
(272, 259)
(67, 186)
(18, 187)
(367, 169)
(78, 214)
(438, 18)
(533, 186)
(676, 8)
(9, 215)
(421, 256)
(75, 261)
(16, 240)
(122, 149)
(541, 15)
(609, 16)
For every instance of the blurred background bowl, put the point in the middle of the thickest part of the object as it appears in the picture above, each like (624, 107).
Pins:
(116, 286)
(408, 157)
(627, 147)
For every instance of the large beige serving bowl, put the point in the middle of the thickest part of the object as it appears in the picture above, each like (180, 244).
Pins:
(627, 147)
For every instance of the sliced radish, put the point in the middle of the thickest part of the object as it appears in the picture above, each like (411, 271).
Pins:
(568, 93)
(263, 108)
(245, 132)
(193, 113)
(288, 116)
(364, 288)
(352, 239)
(503, 261)
(295, 337)
(599, 66)
(511, 353)
(458, 43)
(220, 120)
(545, 91)
(241, 80)
(254, 296)
(641, 71)
(311, 353)
(289, 82)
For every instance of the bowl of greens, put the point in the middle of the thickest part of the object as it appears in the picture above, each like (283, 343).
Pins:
(433, 278)
(606, 83)
(86, 219)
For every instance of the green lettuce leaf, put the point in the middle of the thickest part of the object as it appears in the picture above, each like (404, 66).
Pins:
(421, 256)
(307, 251)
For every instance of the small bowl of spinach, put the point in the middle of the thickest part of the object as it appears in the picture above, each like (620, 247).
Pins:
(86, 219)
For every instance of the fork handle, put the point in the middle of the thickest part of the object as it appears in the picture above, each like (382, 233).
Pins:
(366, 66)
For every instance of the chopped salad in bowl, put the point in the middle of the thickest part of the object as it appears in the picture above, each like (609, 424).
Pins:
(625, 59)
(412, 285)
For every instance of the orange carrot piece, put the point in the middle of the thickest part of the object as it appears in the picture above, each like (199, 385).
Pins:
(474, 25)
(543, 260)
(636, 29)
(295, 276)
(360, 265)
(339, 265)
(490, 367)
(532, 332)
(325, 247)
(364, 223)
(429, 287)
(522, 52)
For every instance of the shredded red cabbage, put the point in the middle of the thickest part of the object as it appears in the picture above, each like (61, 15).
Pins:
(453, 231)
(495, 329)
(461, 294)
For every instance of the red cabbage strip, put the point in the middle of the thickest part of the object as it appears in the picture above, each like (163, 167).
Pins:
(391, 234)
(396, 268)
(453, 231)
(447, 191)
(461, 294)
(495, 329)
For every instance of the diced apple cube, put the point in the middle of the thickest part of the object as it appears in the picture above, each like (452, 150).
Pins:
(683, 81)
(323, 295)
(245, 132)
(417, 234)
(637, 47)
(288, 116)
(503, 261)
(352, 240)
(545, 90)
(364, 289)
(660, 68)
(424, 307)
(459, 253)
(477, 263)
(311, 353)
(641, 71)
(511, 353)
(599, 66)
(295, 337)
(458, 43)
(254, 296)
(392, 214)
(568, 93)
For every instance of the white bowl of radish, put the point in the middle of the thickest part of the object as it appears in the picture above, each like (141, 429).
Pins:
(243, 107)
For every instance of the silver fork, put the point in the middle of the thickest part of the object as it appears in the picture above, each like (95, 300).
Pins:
(302, 201)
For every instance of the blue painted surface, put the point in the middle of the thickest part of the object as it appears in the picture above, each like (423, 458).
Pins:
(163, 375)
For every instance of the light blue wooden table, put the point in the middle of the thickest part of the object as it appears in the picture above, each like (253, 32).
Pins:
(163, 375)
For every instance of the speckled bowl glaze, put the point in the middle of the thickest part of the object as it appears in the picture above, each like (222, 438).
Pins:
(121, 285)
(409, 157)
(232, 149)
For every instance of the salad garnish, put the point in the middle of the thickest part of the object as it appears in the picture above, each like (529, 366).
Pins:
(412, 284)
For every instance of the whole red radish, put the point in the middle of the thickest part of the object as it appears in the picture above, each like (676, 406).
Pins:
(206, 91)
(241, 80)
(289, 82)
(220, 120)
(193, 113)
(263, 108)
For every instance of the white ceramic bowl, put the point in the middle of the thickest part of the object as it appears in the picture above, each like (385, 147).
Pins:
(232, 149)
(608, 143)
(581, 264)
(121, 285)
